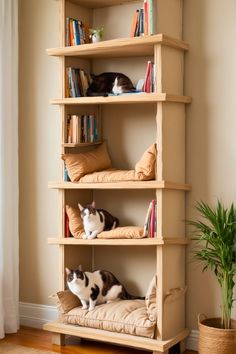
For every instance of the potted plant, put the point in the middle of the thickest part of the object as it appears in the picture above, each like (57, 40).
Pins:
(216, 240)
(96, 34)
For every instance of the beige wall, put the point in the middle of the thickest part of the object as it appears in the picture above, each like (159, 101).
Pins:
(39, 149)
(210, 77)
(210, 28)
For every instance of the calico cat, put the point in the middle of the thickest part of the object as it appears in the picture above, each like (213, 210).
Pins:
(97, 287)
(96, 220)
(109, 82)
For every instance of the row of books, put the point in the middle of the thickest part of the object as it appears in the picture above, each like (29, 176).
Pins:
(77, 82)
(81, 129)
(76, 32)
(150, 78)
(144, 21)
(150, 223)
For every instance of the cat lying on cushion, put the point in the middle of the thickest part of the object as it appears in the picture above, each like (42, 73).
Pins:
(97, 287)
(96, 220)
(110, 82)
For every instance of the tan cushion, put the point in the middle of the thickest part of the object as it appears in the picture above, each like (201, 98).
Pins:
(145, 167)
(67, 300)
(80, 164)
(123, 232)
(75, 222)
(144, 170)
(109, 176)
(125, 316)
(150, 299)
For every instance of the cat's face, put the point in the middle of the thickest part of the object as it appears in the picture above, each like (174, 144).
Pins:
(74, 276)
(87, 210)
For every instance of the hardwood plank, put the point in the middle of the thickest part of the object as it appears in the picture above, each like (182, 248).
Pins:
(122, 99)
(118, 242)
(93, 4)
(120, 185)
(71, 145)
(124, 47)
(114, 337)
(40, 339)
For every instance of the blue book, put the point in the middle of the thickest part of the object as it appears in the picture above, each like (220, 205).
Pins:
(76, 32)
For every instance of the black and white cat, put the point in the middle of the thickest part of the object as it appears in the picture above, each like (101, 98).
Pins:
(96, 220)
(109, 82)
(97, 287)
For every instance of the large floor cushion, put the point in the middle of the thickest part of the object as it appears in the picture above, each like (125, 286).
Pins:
(136, 317)
(126, 316)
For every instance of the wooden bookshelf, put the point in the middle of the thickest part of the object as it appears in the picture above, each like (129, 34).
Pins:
(163, 115)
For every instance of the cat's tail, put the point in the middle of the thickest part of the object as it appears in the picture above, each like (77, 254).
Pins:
(133, 297)
(115, 223)
(126, 296)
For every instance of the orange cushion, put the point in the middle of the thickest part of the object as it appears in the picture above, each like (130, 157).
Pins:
(145, 167)
(75, 222)
(80, 164)
(123, 232)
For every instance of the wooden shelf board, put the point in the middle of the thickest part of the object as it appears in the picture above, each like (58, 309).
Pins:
(122, 99)
(120, 185)
(114, 337)
(72, 145)
(124, 47)
(118, 242)
(94, 4)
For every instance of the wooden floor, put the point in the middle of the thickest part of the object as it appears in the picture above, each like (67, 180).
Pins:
(39, 339)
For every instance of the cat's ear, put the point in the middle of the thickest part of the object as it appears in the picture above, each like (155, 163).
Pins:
(68, 271)
(80, 207)
(93, 204)
(80, 268)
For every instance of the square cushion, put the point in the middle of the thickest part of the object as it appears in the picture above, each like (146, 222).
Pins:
(80, 164)
(67, 300)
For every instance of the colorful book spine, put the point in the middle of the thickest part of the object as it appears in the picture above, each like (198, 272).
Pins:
(145, 17)
(147, 220)
(134, 24)
(150, 223)
(153, 218)
(67, 230)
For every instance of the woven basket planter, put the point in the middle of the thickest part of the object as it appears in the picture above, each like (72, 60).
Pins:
(215, 340)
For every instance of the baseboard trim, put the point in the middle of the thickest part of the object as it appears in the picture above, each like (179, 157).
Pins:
(192, 340)
(35, 316)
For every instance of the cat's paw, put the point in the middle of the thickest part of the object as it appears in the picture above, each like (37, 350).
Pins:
(84, 236)
(93, 235)
(91, 308)
(84, 307)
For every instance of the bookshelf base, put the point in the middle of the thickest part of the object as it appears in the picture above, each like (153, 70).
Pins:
(157, 346)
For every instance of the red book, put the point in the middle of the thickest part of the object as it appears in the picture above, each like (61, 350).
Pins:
(67, 230)
(145, 15)
(147, 83)
(153, 218)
